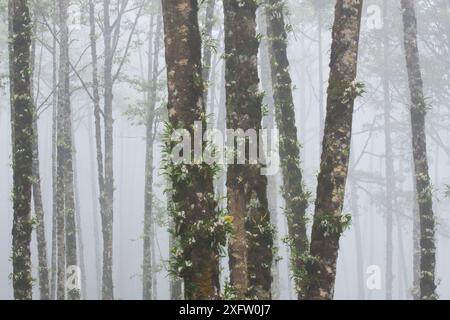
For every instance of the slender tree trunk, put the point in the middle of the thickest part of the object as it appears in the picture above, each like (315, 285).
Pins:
(37, 194)
(389, 164)
(108, 192)
(250, 248)
(193, 193)
(153, 61)
(319, 6)
(54, 160)
(295, 196)
(65, 148)
(22, 152)
(207, 50)
(342, 90)
(79, 229)
(422, 179)
(98, 132)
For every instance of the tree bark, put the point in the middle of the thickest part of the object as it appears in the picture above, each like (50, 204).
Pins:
(342, 90)
(194, 211)
(423, 186)
(295, 196)
(250, 247)
(22, 152)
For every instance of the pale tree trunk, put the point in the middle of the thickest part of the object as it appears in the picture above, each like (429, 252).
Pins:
(37, 192)
(194, 205)
(295, 196)
(207, 50)
(108, 192)
(65, 192)
(329, 223)
(250, 247)
(318, 8)
(98, 132)
(20, 33)
(419, 146)
(149, 258)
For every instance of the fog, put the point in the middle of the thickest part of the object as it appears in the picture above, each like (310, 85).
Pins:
(363, 246)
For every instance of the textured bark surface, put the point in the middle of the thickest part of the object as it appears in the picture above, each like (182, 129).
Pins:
(422, 179)
(250, 248)
(194, 206)
(293, 189)
(23, 139)
(65, 191)
(342, 89)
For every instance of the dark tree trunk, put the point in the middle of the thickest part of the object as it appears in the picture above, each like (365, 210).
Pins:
(294, 194)
(250, 248)
(20, 32)
(342, 90)
(419, 145)
(194, 204)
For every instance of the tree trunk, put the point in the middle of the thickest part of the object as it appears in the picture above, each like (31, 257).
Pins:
(250, 248)
(22, 153)
(65, 147)
(389, 164)
(342, 90)
(107, 217)
(207, 50)
(294, 193)
(419, 145)
(194, 204)
(98, 132)
(153, 61)
(269, 123)
(54, 156)
(37, 193)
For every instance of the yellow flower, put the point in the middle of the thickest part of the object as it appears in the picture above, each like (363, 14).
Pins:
(228, 219)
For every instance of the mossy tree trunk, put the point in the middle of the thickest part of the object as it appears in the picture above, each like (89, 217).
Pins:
(419, 145)
(20, 27)
(250, 247)
(342, 90)
(295, 196)
(193, 203)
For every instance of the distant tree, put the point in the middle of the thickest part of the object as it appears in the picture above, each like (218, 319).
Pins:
(424, 195)
(65, 173)
(329, 222)
(294, 192)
